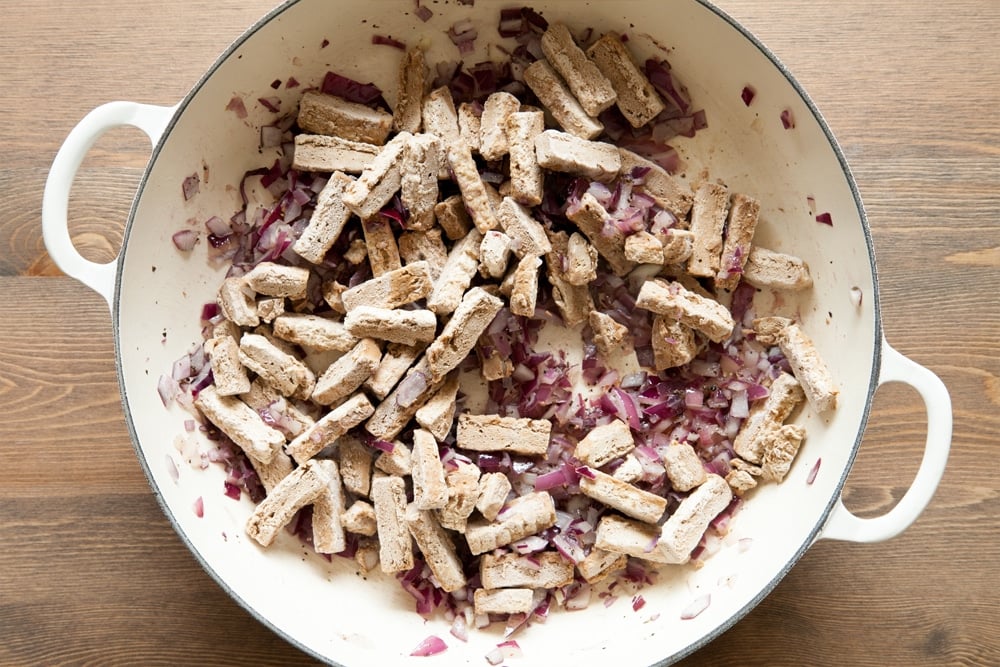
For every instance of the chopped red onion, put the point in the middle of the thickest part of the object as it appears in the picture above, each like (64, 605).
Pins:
(562, 476)
(747, 94)
(199, 507)
(351, 90)
(825, 218)
(694, 398)
(237, 106)
(460, 628)
(739, 407)
(185, 240)
(512, 23)
(638, 602)
(569, 547)
(812, 473)
(218, 227)
(787, 119)
(382, 445)
(697, 606)
(271, 136)
(430, 646)
(529, 544)
(463, 34)
(191, 186)
(659, 75)
(410, 389)
(579, 598)
(536, 21)
(856, 296)
(271, 103)
(423, 12)
(172, 468)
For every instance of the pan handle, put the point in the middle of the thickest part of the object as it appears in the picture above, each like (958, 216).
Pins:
(152, 120)
(842, 525)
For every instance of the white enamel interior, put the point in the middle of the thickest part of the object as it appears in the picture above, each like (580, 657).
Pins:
(330, 610)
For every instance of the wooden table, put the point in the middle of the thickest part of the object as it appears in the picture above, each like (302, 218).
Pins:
(92, 572)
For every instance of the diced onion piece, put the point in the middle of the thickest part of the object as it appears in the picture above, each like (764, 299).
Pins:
(856, 296)
(410, 389)
(271, 136)
(190, 186)
(423, 12)
(697, 606)
(351, 90)
(460, 628)
(812, 473)
(172, 468)
(739, 407)
(272, 103)
(185, 240)
(430, 646)
(237, 106)
(463, 34)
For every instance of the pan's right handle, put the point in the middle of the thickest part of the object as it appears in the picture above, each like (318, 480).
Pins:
(152, 120)
(842, 524)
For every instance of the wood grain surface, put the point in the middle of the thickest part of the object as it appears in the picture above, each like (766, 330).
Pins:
(91, 571)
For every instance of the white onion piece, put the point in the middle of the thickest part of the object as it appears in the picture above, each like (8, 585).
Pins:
(410, 389)
(459, 628)
(697, 606)
(739, 406)
(172, 468)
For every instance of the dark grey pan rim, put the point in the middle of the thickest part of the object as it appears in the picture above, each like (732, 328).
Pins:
(736, 616)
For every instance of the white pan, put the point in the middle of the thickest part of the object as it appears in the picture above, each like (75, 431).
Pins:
(323, 607)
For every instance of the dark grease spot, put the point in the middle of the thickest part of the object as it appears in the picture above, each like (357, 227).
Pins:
(937, 642)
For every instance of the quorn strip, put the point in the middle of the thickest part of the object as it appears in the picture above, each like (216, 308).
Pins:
(241, 423)
(328, 428)
(318, 152)
(395, 542)
(557, 98)
(492, 433)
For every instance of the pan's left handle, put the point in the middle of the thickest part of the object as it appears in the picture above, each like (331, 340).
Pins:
(152, 120)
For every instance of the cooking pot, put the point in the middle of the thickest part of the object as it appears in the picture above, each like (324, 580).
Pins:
(798, 172)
